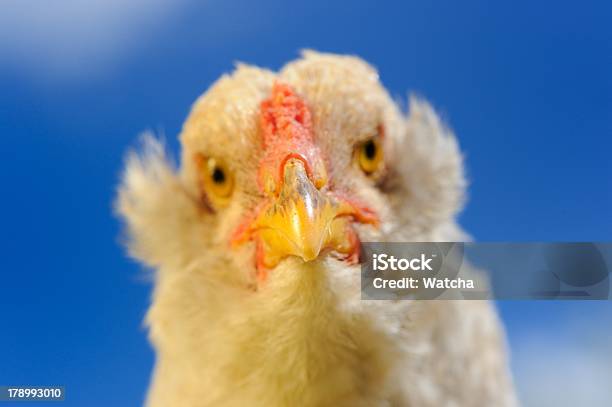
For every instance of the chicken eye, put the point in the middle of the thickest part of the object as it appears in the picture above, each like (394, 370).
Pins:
(216, 179)
(369, 155)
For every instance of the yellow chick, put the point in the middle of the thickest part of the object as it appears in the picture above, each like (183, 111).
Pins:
(255, 241)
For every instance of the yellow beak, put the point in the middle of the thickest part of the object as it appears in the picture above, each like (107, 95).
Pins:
(302, 221)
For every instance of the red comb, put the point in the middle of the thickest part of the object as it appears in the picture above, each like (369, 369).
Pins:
(285, 116)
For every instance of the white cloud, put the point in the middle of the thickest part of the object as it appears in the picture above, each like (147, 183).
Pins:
(569, 365)
(77, 39)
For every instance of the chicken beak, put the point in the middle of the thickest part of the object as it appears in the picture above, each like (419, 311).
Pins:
(302, 221)
(299, 221)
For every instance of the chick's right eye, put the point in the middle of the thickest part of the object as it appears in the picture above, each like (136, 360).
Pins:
(215, 178)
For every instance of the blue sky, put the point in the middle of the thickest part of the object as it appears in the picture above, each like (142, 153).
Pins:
(526, 87)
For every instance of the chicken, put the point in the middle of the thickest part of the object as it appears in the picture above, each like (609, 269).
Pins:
(255, 241)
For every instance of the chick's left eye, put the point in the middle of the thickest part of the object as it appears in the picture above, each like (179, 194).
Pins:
(216, 178)
(369, 155)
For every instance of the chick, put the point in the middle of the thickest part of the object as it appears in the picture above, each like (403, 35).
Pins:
(255, 242)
